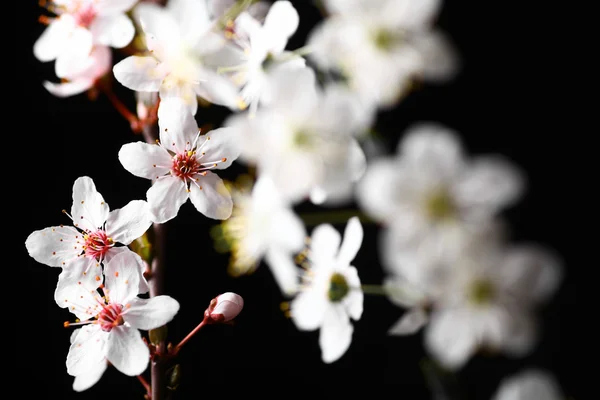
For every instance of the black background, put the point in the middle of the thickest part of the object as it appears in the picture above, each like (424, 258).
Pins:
(503, 101)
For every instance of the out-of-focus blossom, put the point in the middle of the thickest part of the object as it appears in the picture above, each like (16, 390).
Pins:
(96, 65)
(490, 301)
(88, 379)
(381, 45)
(263, 50)
(78, 27)
(304, 140)
(331, 291)
(181, 164)
(80, 249)
(531, 384)
(227, 306)
(432, 198)
(221, 8)
(262, 224)
(183, 50)
(111, 322)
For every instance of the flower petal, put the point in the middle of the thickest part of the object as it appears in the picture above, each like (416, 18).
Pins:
(218, 144)
(210, 196)
(76, 288)
(159, 22)
(531, 384)
(336, 334)
(192, 18)
(220, 90)
(284, 270)
(151, 313)
(145, 160)
(68, 88)
(87, 350)
(375, 192)
(90, 378)
(172, 89)
(142, 266)
(165, 197)
(89, 210)
(178, 127)
(280, 24)
(410, 322)
(353, 302)
(113, 30)
(287, 230)
(126, 224)
(450, 338)
(54, 39)
(144, 74)
(106, 7)
(122, 277)
(75, 57)
(54, 246)
(308, 309)
(353, 236)
(126, 350)
(440, 59)
(324, 243)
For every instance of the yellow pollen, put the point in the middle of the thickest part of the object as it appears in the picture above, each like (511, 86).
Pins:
(190, 153)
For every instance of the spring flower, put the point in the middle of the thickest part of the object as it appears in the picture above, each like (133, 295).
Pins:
(88, 379)
(181, 164)
(331, 292)
(78, 27)
(530, 384)
(183, 50)
(262, 225)
(226, 307)
(111, 321)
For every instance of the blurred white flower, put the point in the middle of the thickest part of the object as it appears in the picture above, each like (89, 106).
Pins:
(218, 8)
(490, 301)
(531, 384)
(304, 140)
(180, 164)
(183, 49)
(78, 26)
(111, 322)
(381, 45)
(262, 224)
(331, 292)
(81, 249)
(263, 50)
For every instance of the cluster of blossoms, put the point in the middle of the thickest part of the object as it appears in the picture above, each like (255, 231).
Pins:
(442, 242)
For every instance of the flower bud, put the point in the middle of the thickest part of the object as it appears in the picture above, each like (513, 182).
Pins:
(226, 307)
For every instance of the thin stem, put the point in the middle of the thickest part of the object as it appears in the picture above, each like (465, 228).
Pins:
(145, 383)
(190, 335)
(333, 217)
(374, 289)
(134, 122)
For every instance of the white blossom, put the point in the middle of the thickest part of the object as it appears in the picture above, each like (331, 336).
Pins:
(530, 384)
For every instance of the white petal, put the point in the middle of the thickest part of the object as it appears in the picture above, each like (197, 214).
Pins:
(145, 160)
(54, 39)
(220, 90)
(281, 23)
(106, 7)
(76, 288)
(122, 277)
(284, 270)
(192, 18)
(223, 143)
(402, 293)
(151, 313)
(293, 91)
(179, 91)
(531, 384)
(450, 338)
(521, 333)
(308, 309)
(324, 242)
(126, 224)
(75, 57)
(68, 88)
(89, 210)
(353, 302)
(178, 127)
(409, 14)
(144, 74)
(440, 61)
(287, 230)
(142, 266)
(353, 236)
(113, 30)
(210, 196)
(126, 350)
(159, 22)
(165, 197)
(54, 246)
(375, 192)
(409, 323)
(336, 334)
(87, 350)
(88, 379)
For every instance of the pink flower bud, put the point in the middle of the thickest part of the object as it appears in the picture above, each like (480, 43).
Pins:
(228, 306)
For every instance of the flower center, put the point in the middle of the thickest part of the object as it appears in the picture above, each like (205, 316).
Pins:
(338, 288)
(481, 292)
(85, 14)
(185, 165)
(439, 206)
(110, 317)
(97, 244)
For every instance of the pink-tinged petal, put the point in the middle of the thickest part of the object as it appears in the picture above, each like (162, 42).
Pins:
(353, 236)
(55, 246)
(450, 337)
(336, 334)
(54, 39)
(113, 30)
(142, 266)
(178, 127)
(229, 305)
(353, 302)
(145, 160)
(88, 379)
(144, 74)
(410, 322)
(172, 89)
(107, 7)
(308, 309)
(122, 277)
(219, 144)
(89, 211)
(69, 88)
(126, 350)
(150, 313)
(87, 350)
(280, 24)
(210, 196)
(76, 288)
(75, 57)
(165, 197)
(126, 224)
(284, 270)
(324, 243)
